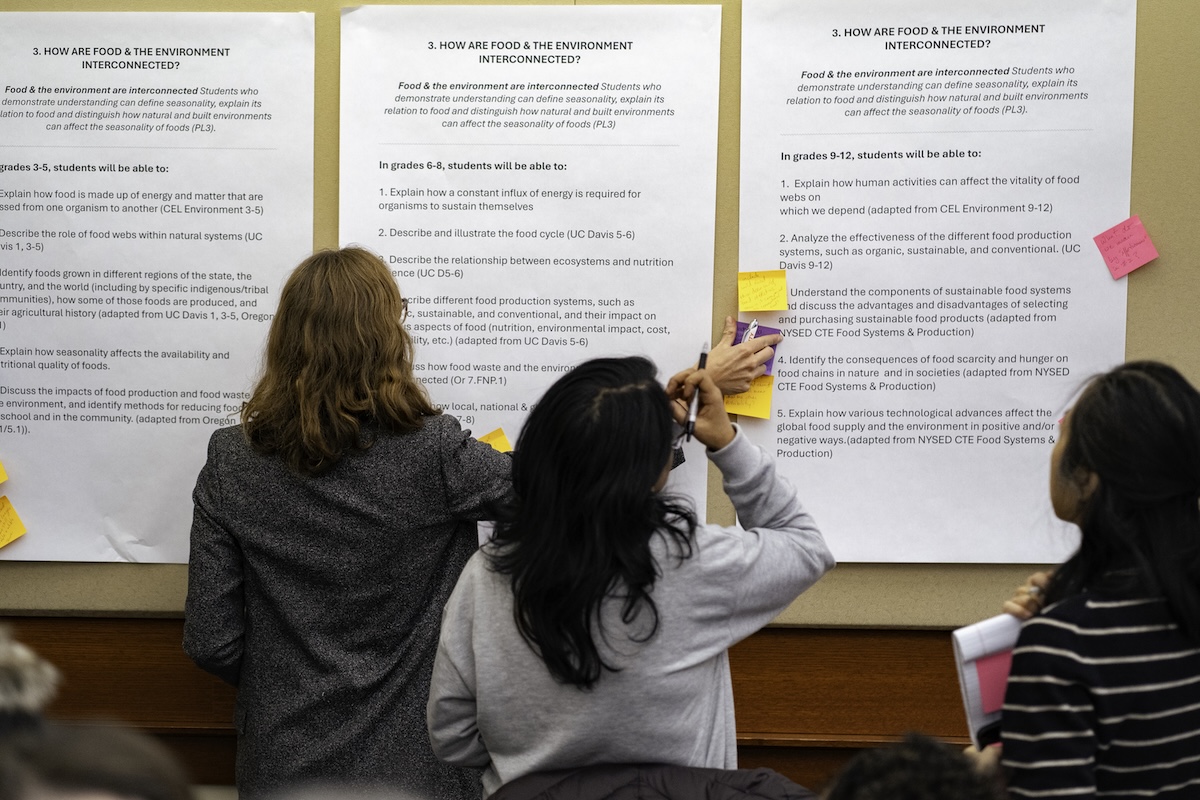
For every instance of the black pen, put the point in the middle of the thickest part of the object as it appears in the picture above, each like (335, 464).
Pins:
(695, 406)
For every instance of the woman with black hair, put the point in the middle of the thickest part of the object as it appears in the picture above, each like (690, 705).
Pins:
(594, 627)
(1103, 698)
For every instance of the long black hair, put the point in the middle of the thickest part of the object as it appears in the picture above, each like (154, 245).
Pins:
(1137, 428)
(584, 473)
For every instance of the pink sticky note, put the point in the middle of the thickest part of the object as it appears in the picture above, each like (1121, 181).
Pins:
(1126, 247)
(993, 678)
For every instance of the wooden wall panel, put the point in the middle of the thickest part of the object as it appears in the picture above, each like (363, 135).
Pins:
(134, 671)
(826, 685)
(807, 699)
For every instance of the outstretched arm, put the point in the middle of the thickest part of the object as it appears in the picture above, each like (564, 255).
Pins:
(733, 367)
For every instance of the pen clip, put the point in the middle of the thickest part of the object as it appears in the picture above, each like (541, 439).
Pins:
(751, 330)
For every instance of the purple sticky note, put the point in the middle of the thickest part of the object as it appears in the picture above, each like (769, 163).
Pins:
(763, 330)
(1126, 247)
(993, 679)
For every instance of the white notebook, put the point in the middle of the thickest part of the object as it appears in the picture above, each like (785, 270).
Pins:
(983, 652)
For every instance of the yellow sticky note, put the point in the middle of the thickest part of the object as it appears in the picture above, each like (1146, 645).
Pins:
(756, 402)
(11, 527)
(498, 440)
(3, 474)
(762, 291)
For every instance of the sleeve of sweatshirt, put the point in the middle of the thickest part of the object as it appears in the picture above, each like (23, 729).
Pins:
(452, 712)
(755, 570)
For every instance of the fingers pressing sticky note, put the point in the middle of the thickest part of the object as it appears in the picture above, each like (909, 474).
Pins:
(1126, 247)
(498, 440)
(11, 527)
(762, 291)
(753, 403)
(744, 329)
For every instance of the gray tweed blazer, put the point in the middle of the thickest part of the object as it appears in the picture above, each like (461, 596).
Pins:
(320, 599)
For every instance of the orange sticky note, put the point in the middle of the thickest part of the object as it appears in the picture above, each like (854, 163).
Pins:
(756, 402)
(498, 440)
(1126, 247)
(762, 291)
(11, 527)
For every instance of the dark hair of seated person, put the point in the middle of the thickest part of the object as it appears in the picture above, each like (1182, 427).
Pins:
(917, 768)
(62, 762)
(1136, 429)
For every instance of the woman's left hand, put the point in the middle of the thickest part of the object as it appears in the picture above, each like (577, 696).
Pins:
(1029, 597)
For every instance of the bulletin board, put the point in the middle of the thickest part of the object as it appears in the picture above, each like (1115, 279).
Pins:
(1163, 298)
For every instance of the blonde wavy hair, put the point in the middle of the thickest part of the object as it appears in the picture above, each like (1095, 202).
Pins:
(338, 358)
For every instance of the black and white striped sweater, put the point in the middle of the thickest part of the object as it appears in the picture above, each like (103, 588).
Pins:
(1103, 701)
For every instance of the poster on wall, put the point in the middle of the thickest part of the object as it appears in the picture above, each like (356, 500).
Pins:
(541, 182)
(155, 189)
(929, 177)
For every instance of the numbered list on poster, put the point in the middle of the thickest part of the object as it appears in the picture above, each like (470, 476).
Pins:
(541, 182)
(155, 187)
(930, 179)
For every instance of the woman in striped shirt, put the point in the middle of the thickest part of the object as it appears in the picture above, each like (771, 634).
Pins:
(1104, 695)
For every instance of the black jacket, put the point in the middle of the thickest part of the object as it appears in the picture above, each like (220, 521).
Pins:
(653, 782)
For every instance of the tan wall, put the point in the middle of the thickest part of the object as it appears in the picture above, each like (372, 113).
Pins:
(1163, 302)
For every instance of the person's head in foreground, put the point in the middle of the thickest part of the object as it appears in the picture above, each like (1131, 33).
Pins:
(587, 474)
(337, 358)
(1126, 469)
(918, 768)
(27, 685)
(89, 763)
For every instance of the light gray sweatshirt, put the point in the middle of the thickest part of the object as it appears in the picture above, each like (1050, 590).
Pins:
(493, 704)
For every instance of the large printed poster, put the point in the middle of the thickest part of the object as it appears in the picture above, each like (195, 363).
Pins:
(541, 181)
(929, 175)
(155, 188)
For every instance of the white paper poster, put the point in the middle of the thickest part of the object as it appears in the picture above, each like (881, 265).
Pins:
(541, 181)
(930, 176)
(155, 188)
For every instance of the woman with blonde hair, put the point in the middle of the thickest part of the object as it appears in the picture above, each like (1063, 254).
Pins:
(329, 529)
